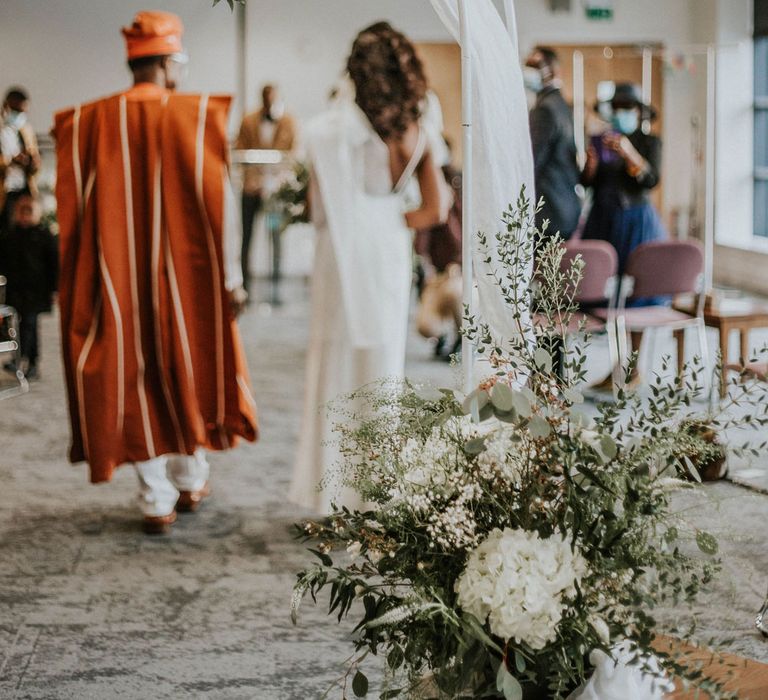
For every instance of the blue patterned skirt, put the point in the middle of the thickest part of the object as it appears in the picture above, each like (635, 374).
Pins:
(625, 229)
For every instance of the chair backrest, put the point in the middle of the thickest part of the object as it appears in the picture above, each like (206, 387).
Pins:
(601, 264)
(665, 268)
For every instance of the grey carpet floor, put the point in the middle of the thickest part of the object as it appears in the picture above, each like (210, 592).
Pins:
(91, 608)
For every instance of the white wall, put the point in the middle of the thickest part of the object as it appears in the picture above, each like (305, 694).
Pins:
(67, 51)
(70, 51)
(302, 45)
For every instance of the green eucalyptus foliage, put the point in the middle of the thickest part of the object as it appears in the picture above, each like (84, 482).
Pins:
(604, 481)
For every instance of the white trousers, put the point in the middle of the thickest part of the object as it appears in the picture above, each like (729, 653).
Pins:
(161, 479)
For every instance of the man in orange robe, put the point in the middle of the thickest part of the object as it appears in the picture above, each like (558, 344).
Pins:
(154, 367)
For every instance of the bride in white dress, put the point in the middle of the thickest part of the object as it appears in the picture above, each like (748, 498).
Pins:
(364, 152)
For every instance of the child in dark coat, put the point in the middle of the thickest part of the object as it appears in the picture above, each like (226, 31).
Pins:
(29, 260)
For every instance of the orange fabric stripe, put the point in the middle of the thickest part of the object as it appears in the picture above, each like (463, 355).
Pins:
(149, 341)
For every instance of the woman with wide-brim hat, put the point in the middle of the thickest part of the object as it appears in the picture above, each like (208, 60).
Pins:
(623, 167)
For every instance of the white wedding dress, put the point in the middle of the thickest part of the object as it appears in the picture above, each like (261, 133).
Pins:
(360, 288)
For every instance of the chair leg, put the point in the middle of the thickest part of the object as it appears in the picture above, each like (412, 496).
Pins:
(650, 351)
(619, 330)
(704, 350)
(680, 338)
(613, 352)
(613, 346)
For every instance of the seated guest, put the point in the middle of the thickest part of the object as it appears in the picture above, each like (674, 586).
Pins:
(623, 167)
(29, 259)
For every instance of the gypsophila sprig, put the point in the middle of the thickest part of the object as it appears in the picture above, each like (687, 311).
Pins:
(509, 533)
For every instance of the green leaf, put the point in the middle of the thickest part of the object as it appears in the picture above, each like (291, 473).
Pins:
(507, 684)
(543, 360)
(521, 404)
(480, 634)
(360, 685)
(327, 561)
(580, 419)
(507, 416)
(475, 403)
(519, 662)
(573, 396)
(691, 468)
(502, 397)
(539, 427)
(428, 394)
(475, 447)
(395, 658)
(707, 543)
(608, 447)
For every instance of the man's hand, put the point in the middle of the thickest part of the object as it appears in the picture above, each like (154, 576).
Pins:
(238, 299)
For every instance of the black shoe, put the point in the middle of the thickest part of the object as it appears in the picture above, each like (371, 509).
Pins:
(10, 367)
(454, 353)
(32, 373)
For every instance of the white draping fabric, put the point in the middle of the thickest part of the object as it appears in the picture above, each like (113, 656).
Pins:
(503, 160)
(371, 242)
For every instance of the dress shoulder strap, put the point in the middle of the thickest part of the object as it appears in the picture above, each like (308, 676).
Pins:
(413, 163)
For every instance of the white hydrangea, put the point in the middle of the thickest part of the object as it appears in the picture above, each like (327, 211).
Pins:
(521, 584)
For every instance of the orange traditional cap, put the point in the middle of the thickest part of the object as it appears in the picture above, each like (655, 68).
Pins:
(153, 33)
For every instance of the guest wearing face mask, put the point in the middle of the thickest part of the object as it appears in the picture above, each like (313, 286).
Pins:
(19, 155)
(554, 149)
(623, 167)
(266, 128)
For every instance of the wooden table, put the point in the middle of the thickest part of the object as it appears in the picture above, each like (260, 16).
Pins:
(742, 315)
(749, 679)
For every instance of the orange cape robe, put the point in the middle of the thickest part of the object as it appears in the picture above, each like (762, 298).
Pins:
(152, 356)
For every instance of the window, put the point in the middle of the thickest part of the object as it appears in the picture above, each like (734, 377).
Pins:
(761, 118)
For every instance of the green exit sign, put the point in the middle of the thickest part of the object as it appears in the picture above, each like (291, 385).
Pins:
(599, 9)
(599, 13)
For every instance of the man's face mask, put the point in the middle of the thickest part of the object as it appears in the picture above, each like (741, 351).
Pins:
(176, 70)
(532, 79)
(14, 118)
(626, 121)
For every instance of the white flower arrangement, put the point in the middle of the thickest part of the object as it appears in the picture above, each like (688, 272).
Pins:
(521, 583)
(509, 535)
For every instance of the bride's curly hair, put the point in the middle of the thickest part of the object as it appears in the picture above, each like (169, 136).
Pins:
(389, 79)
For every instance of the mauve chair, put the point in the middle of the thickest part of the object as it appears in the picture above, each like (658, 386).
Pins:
(669, 269)
(597, 289)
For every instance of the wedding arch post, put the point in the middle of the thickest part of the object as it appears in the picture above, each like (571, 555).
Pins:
(467, 224)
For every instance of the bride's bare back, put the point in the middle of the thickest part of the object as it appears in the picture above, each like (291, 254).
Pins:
(401, 152)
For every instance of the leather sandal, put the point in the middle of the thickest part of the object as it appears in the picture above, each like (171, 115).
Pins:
(159, 524)
(189, 501)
